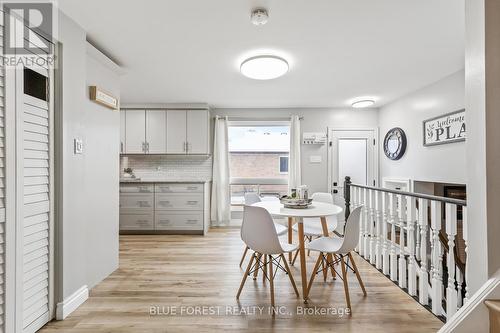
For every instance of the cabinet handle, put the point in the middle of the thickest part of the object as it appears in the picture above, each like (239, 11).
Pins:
(143, 147)
(191, 188)
(147, 147)
(121, 147)
(191, 221)
(165, 221)
(192, 202)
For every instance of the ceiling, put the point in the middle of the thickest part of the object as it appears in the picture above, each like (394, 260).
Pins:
(189, 51)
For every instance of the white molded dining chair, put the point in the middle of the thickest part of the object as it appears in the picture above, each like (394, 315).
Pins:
(341, 249)
(312, 226)
(250, 199)
(259, 234)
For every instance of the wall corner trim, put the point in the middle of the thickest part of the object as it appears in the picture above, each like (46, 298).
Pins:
(71, 303)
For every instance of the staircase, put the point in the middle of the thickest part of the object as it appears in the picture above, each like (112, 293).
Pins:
(494, 308)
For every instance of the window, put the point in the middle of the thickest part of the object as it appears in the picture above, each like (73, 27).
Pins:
(258, 155)
(284, 164)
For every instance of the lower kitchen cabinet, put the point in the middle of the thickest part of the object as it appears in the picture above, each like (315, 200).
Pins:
(174, 207)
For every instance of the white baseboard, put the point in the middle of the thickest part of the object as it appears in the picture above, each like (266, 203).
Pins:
(71, 303)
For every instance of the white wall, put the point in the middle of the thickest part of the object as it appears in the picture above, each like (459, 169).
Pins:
(101, 160)
(315, 120)
(87, 227)
(443, 163)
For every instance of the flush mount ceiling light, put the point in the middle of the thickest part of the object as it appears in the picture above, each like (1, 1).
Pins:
(364, 103)
(264, 67)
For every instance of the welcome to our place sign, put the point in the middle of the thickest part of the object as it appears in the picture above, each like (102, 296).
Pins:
(447, 128)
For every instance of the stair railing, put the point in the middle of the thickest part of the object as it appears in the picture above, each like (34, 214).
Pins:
(412, 239)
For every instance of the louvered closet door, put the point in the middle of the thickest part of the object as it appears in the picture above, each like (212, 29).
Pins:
(34, 122)
(2, 184)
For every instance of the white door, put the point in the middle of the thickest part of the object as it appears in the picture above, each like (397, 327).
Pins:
(135, 129)
(156, 132)
(352, 153)
(176, 131)
(123, 115)
(197, 132)
(34, 205)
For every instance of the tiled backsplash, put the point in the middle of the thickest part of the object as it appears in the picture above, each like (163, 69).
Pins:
(168, 167)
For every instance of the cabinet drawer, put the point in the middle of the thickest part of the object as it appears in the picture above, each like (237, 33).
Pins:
(180, 201)
(179, 221)
(136, 188)
(179, 188)
(131, 221)
(136, 200)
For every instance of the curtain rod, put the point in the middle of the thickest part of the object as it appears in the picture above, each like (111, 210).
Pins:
(256, 118)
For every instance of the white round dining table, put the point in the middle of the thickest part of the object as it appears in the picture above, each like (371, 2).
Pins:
(317, 209)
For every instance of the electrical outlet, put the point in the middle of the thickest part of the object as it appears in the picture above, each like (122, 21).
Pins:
(78, 146)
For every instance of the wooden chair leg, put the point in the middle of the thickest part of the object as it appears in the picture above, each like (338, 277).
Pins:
(325, 270)
(346, 287)
(247, 272)
(271, 283)
(259, 256)
(290, 237)
(313, 274)
(264, 268)
(290, 276)
(244, 255)
(361, 284)
(295, 257)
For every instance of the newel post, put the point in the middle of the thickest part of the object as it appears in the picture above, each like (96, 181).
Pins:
(347, 196)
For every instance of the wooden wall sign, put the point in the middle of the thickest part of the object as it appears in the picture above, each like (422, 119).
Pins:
(443, 129)
(99, 96)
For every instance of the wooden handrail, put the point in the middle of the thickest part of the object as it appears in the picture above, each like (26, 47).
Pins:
(412, 194)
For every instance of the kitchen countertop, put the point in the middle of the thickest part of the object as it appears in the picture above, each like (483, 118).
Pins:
(139, 180)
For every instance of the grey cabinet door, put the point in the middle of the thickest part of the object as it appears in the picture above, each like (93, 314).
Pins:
(176, 131)
(156, 131)
(135, 129)
(197, 132)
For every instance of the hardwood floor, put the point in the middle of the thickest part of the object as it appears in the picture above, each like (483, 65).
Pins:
(182, 272)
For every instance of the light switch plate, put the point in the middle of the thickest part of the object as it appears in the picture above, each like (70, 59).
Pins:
(315, 159)
(78, 146)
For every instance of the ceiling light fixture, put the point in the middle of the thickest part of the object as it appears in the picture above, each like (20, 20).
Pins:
(259, 16)
(264, 67)
(364, 103)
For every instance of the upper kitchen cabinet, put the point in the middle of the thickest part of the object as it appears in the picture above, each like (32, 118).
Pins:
(122, 130)
(135, 132)
(176, 131)
(181, 132)
(156, 132)
(187, 132)
(197, 132)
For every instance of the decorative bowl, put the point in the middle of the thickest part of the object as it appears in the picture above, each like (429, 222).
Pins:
(295, 203)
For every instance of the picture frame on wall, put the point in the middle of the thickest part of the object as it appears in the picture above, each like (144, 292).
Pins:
(446, 128)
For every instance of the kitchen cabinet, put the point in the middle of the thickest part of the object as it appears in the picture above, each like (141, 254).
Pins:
(135, 131)
(156, 131)
(197, 132)
(180, 132)
(122, 131)
(165, 207)
(176, 131)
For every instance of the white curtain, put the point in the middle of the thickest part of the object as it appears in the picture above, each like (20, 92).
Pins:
(221, 197)
(294, 172)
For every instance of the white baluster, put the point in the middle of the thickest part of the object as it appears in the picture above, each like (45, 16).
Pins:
(451, 231)
(366, 227)
(417, 238)
(460, 280)
(424, 275)
(437, 284)
(393, 255)
(385, 231)
(410, 226)
(379, 211)
(465, 236)
(371, 232)
(362, 222)
(402, 259)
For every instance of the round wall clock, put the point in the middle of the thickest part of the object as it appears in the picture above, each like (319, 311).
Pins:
(395, 143)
